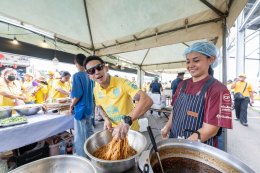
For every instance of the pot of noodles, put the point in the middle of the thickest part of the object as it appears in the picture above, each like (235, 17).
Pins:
(111, 156)
(184, 156)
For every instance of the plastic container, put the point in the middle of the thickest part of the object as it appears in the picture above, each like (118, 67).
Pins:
(55, 148)
(3, 166)
(63, 148)
(143, 123)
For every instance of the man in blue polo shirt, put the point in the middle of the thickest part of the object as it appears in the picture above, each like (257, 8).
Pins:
(82, 105)
(176, 82)
(155, 86)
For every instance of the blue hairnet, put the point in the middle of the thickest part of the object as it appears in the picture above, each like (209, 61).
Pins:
(205, 48)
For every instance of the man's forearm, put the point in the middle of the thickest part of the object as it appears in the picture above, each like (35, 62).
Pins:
(102, 112)
(63, 91)
(143, 105)
(74, 101)
(11, 96)
(251, 95)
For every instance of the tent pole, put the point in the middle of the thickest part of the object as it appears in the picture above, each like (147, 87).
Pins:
(89, 28)
(217, 11)
(224, 73)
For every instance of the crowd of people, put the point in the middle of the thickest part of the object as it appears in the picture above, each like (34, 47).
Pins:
(31, 89)
(200, 103)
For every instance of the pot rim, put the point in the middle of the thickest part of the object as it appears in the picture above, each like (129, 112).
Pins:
(112, 161)
(194, 145)
(56, 157)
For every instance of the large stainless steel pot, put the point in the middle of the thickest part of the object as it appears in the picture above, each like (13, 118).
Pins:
(213, 157)
(58, 164)
(99, 139)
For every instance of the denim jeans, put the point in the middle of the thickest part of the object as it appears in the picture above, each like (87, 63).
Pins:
(83, 129)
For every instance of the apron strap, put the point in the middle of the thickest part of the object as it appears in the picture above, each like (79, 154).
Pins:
(206, 86)
(183, 86)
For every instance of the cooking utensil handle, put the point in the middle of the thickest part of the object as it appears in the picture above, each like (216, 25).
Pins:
(150, 132)
(146, 168)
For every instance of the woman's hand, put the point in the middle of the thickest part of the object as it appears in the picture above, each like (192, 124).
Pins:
(165, 132)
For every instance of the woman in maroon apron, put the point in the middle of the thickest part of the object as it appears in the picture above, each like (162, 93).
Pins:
(201, 103)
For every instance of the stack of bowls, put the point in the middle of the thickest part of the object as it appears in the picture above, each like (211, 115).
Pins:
(5, 112)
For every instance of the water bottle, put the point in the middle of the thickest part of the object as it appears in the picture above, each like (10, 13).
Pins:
(63, 148)
(69, 148)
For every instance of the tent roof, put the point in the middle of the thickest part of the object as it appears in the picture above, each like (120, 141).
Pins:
(111, 27)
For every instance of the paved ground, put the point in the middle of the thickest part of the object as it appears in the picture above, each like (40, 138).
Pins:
(243, 142)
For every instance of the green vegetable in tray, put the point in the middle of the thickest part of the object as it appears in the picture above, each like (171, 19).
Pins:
(13, 120)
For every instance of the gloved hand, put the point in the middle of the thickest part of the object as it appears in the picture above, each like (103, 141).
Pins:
(165, 132)
(34, 83)
(120, 131)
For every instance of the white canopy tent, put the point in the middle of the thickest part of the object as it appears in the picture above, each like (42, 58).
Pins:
(157, 31)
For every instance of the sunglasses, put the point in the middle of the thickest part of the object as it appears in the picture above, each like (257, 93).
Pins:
(92, 70)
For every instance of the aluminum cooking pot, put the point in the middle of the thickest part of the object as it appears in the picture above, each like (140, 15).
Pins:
(135, 139)
(203, 154)
(58, 164)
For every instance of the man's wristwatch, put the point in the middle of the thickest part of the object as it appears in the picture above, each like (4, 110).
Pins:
(128, 120)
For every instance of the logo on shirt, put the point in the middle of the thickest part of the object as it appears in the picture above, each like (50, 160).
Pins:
(131, 84)
(226, 97)
(111, 110)
(225, 108)
(223, 117)
(100, 95)
(116, 92)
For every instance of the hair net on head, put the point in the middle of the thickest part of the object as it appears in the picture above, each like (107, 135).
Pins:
(205, 48)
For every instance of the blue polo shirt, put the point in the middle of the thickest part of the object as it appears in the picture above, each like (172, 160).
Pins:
(82, 88)
(175, 84)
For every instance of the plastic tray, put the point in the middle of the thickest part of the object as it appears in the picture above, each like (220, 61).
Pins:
(13, 123)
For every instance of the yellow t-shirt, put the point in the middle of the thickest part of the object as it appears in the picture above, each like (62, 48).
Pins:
(117, 99)
(58, 84)
(14, 89)
(27, 88)
(39, 95)
(50, 83)
(239, 87)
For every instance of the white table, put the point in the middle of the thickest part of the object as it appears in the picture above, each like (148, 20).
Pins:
(39, 127)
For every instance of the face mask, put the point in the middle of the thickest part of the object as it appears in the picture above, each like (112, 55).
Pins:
(11, 78)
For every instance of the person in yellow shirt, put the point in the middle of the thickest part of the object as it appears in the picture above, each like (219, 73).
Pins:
(114, 97)
(27, 88)
(41, 90)
(10, 89)
(241, 87)
(61, 88)
(50, 80)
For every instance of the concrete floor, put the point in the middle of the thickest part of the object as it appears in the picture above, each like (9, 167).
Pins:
(243, 142)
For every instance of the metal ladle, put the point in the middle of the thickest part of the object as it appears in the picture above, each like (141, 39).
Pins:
(154, 146)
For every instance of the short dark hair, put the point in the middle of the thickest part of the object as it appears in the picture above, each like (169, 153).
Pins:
(91, 58)
(64, 73)
(181, 74)
(80, 58)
